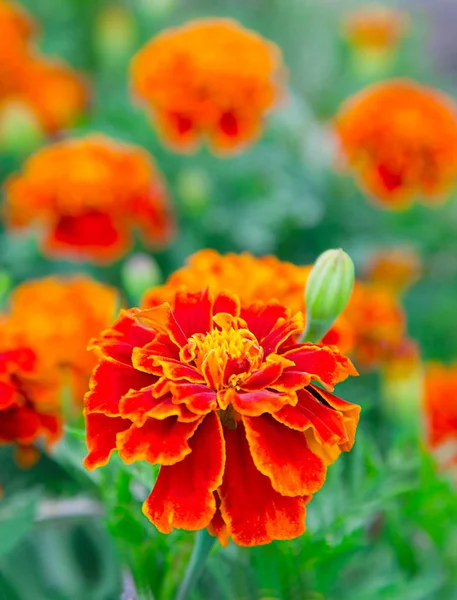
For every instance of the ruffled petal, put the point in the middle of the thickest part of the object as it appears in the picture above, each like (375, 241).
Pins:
(281, 333)
(254, 404)
(158, 442)
(198, 398)
(193, 312)
(183, 495)
(138, 406)
(111, 380)
(261, 318)
(226, 303)
(267, 375)
(283, 455)
(101, 432)
(253, 511)
(162, 320)
(327, 423)
(170, 368)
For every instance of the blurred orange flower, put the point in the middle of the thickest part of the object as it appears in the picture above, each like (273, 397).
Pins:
(239, 415)
(220, 95)
(395, 268)
(58, 317)
(29, 396)
(440, 406)
(88, 195)
(400, 139)
(375, 27)
(15, 23)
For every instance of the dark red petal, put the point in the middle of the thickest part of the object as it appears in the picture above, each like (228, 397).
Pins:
(327, 423)
(183, 495)
(226, 303)
(158, 442)
(282, 454)
(254, 404)
(111, 381)
(7, 395)
(254, 512)
(193, 312)
(101, 432)
(261, 318)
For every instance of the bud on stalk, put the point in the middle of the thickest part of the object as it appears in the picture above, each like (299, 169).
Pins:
(328, 290)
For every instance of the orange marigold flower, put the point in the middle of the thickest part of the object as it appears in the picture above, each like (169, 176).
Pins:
(400, 138)
(15, 23)
(396, 268)
(440, 406)
(29, 395)
(375, 27)
(87, 195)
(239, 415)
(59, 317)
(220, 96)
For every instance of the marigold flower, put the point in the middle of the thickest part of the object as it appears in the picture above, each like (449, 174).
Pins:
(220, 96)
(400, 139)
(439, 404)
(15, 22)
(29, 395)
(58, 317)
(239, 415)
(395, 268)
(375, 27)
(87, 195)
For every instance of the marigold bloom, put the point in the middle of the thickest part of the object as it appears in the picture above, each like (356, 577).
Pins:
(400, 139)
(15, 22)
(220, 96)
(59, 317)
(29, 394)
(396, 268)
(88, 195)
(439, 404)
(375, 27)
(239, 415)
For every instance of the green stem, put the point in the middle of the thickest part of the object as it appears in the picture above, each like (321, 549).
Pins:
(315, 331)
(202, 547)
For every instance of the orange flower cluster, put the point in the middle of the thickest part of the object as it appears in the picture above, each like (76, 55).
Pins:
(400, 139)
(370, 328)
(43, 349)
(54, 93)
(219, 95)
(239, 415)
(375, 27)
(441, 411)
(396, 268)
(87, 195)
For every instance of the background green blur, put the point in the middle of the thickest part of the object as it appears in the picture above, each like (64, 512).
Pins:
(385, 524)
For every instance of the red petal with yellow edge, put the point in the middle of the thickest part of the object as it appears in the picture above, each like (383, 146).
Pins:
(329, 366)
(101, 432)
(139, 406)
(282, 454)
(291, 380)
(328, 424)
(183, 496)
(109, 383)
(351, 414)
(193, 312)
(261, 318)
(226, 303)
(19, 424)
(266, 376)
(254, 404)
(281, 333)
(217, 527)
(158, 442)
(198, 398)
(162, 320)
(254, 512)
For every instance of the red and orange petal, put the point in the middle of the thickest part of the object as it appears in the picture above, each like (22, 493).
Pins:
(59, 316)
(400, 140)
(88, 195)
(375, 27)
(220, 97)
(218, 393)
(439, 404)
(395, 268)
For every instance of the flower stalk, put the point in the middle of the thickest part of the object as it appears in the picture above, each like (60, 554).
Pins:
(200, 552)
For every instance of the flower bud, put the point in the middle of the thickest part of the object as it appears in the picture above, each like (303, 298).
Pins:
(139, 273)
(116, 36)
(328, 290)
(20, 129)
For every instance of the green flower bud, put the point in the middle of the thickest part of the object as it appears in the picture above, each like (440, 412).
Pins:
(139, 273)
(328, 290)
(20, 130)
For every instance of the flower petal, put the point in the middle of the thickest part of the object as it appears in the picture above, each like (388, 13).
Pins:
(254, 404)
(158, 442)
(226, 303)
(198, 398)
(162, 320)
(101, 434)
(254, 512)
(183, 495)
(261, 318)
(350, 412)
(193, 312)
(282, 332)
(267, 375)
(111, 380)
(282, 454)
